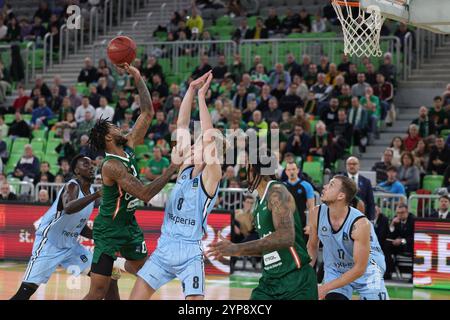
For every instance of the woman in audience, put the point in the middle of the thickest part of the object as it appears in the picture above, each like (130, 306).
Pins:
(409, 173)
(398, 147)
(421, 155)
(65, 128)
(412, 138)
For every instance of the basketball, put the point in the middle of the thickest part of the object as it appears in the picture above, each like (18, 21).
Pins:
(121, 50)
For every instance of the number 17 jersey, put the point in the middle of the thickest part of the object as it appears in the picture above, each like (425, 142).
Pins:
(188, 207)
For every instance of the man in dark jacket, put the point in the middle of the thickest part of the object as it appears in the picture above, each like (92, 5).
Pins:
(439, 157)
(401, 237)
(89, 73)
(19, 128)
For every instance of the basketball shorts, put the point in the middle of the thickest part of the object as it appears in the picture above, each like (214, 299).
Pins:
(172, 259)
(46, 258)
(299, 284)
(369, 287)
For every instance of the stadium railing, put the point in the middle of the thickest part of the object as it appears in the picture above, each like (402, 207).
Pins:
(28, 53)
(421, 205)
(388, 202)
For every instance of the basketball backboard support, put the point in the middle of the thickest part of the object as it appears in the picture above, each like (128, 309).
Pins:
(433, 15)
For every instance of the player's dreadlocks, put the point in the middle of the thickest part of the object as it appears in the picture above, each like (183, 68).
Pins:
(261, 169)
(97, 135)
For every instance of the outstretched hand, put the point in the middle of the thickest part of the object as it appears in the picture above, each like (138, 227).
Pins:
(204, 89)
(179, 155)
(221, 248)
(198, 83)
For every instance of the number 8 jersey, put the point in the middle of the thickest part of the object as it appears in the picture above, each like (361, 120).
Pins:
(187, 208)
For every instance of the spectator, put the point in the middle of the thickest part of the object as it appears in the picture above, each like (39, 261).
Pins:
(41, 115)
(279, 75)
(55, 101)
(243, 32)
(241, 97)
(351, 77)
(306, 63)
(385, 92)
(324, 65)
(438, 115)
(274, 113)
(27, 167)
(409, 173)
(290, 101)
(388, 69)
(202, 68)
(397, 147)
(304, 21)
(221, 69)
(104, 111)
(4, 153)
(44, 197)
(259, 31)
(334, 78)
(89, 73)
(258, 124)
(344, 66)
(6, 193)
(342, 133)
(259, 77)
(401, 237)
(392, 185)
(344, 96)
(19, 128)
(421, 155)
(321, 90)
(14, 33)
(195, 21)
(319, 24)
(381, 226)
(401, 33)
(425, 124)
(183, 32)
(160, 129)
(21, 100)
(94, 97)
(80, 112)
(301, 190)
(43, 12)
(329, 114)
(289, 22)
(37, 32)
(3, 127)
(442, 211)
(301, 118)
(272, 22)
(371, 75)
(302, 89)
(65, 128)
(412, 138)
(359, 119)
(64, 170)
(372, 104)
(237, 69)
(75, 98)
(157, 165)
(58, 83)
(243, 221)
(322, 145)
(359, 89)
(103, 89)
(381, 167)
(42, 86)
(3, 30)
(439, 157)
(85, 126)
(292, 66)
(365, 192)
(299, 142)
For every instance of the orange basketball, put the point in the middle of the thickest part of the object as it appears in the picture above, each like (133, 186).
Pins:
(121, 49)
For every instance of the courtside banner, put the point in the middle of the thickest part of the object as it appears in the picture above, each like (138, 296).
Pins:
(18, 223)
(432, 253)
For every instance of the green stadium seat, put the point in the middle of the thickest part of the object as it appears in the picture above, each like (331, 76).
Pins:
(51, 134)
(224, 21)
(140, 51)
(12, 162)
(161, 35)
(19, 145)
(9, 118)
(82, 88)
(445, 133)
(38, 58)
(432, 182)
(140, 150)
(51, 158)
(27, 117)
(8, 142)
(40, 134)
(51, 146)
(165, 65)
(39, 155)
(37, 145)
(315, 170)
(251, 21)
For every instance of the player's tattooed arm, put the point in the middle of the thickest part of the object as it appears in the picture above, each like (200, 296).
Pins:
(137, 135)
(86, 232)
(282, 206)
(115, 171)
(361, 251)
(70, 202)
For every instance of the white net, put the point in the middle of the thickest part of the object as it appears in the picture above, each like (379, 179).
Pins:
(361, 28)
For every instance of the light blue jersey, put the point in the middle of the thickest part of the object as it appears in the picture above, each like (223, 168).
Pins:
(56, 242)
(188, 208)
(338, 256)
(179, 253)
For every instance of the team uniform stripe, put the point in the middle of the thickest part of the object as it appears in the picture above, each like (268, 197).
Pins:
(118, 202)
(295, 256)
(205, 211)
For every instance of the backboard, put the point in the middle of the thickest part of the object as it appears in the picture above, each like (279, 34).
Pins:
(433, 15)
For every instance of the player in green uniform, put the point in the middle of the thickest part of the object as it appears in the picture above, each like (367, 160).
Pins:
(115, 228)
(287, 274)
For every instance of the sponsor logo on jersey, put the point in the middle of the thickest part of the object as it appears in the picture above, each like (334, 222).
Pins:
(84, 258)
(70, 234)
(324, 229)
(195, 183)
(345, 236)
(271, 258)
(185, 221)
(132, 204)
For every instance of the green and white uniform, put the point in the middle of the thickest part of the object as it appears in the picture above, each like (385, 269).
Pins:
(286, 274)
(115, 228)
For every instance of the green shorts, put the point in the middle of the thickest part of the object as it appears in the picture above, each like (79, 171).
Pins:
(300, 284)
(110, 239)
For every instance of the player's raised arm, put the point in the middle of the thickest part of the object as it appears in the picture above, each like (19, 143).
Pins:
(282, 205)
(71, 203)
(313, 238)
(361, 251)
(144, 120)
(212, 172)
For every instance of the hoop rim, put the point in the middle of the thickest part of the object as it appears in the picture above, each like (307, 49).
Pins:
(346, 3)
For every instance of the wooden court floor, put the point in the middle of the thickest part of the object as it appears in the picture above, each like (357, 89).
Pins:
(62, 286)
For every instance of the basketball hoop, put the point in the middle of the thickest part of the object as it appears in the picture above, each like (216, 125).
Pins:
(361, 29)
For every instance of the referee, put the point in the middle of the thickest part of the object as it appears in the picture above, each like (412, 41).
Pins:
(301, 190)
